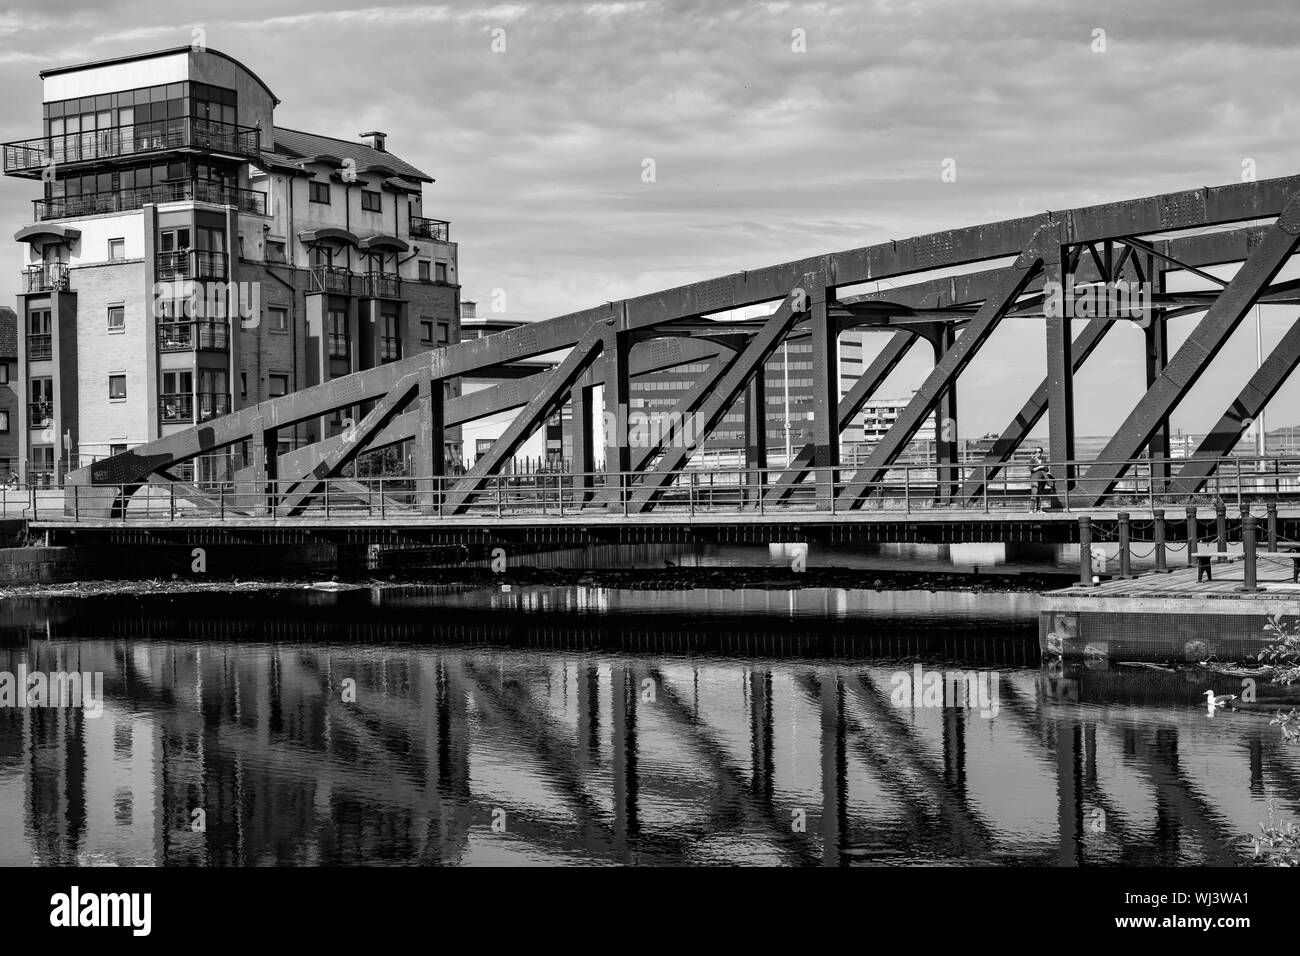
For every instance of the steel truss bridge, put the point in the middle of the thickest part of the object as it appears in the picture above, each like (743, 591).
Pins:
(996, 272)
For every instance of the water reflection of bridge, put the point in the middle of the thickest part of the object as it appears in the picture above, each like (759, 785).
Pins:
(615, 756)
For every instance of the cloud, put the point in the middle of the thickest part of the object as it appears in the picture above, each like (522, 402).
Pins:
(762, 154)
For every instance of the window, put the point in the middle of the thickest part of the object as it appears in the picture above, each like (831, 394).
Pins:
(320, 192)
(243, 385)
(173, 240)
(116, 250)
(440, 272)
(426, 331)
(424, 265)
(443, 333)
(274, 251)
(117, 449)
(4, 373)
(371, 201)
(338, 334)
(278, 319)
(4, 423)
(390, 344)
(279, 385)
(116, 318)
(117, 388)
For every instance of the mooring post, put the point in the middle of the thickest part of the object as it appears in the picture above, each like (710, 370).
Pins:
(1221, 524)
(1085, 551)
(1158, 533)
(1272, 525)
(1248, 558)
(1125, 568)
(1192, 534)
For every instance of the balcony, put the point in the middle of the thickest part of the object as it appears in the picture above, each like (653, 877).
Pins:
(93, 204)
(390, 348)
(191, 264)
(422, 228)
(40, 414)
(31, 157)
(50, 277)
(197, 334)
(212, 404)
(40, 347)
(175, 408)
(379, 285)
(331, 279)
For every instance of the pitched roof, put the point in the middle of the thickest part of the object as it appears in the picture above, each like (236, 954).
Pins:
(8, 333)
(298, 145)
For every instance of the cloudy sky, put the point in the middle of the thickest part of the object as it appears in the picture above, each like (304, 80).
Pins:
(762, 152)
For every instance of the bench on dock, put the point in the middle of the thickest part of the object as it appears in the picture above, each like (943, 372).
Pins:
(1204, 560)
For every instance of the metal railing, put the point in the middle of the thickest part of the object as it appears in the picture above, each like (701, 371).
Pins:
(186, 132)
(906, 490)
(213, 404)
(40, 414)
(176, 407)
(379, 285)
(340, 345)
(124, 200)
(40, 347)
(331, 279)
(191, 264)
(436, 229)
(50, 277)
(200, 334)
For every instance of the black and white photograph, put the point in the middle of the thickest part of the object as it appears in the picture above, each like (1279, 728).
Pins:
(684, 434)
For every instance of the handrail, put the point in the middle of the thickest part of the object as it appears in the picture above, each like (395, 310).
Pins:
(906, 491)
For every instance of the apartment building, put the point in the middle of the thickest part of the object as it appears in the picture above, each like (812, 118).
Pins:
(187, 257)
(9, 396)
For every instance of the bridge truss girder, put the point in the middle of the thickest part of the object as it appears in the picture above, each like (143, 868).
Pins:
(405, 398)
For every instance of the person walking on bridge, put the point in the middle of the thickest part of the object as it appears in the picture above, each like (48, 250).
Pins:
(1041, 477)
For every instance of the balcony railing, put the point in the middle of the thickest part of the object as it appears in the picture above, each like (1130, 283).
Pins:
(212, 404)
(39, 346)
(201, 334)
(92, 204)
(390, 348)
(184, 133)
(331, 279)
(176, 407)
(191, 264)
(50, 277)
(40, 414)
(340, 345)
(379, 285)
(438, 229)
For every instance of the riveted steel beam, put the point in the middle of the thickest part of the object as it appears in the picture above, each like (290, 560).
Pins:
(1014, 279)
(1195, 355)
(1032, 411)
(899, 344)
(1245, 408)
(549, 399)
(711, 408)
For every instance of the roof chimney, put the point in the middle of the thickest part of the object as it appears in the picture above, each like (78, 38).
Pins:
(376, 139)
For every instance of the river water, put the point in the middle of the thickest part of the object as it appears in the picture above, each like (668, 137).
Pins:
(542, 725)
